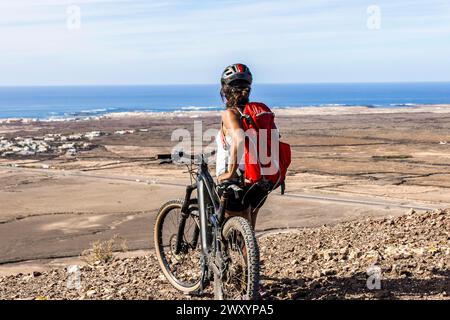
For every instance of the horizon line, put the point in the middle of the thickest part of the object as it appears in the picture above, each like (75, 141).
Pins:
(217, 84)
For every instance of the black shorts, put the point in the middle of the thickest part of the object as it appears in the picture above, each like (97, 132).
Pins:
(253, 196)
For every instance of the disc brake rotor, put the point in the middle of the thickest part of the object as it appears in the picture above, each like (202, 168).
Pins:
(173, 246)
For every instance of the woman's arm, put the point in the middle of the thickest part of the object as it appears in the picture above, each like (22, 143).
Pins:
(231, 121)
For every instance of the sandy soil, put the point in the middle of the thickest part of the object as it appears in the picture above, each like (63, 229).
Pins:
(348, 163)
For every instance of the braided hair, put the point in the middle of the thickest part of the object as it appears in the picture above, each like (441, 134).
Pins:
(235, 97)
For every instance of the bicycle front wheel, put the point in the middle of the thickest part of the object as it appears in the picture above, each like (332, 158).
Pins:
(240, 255)
(183, 268)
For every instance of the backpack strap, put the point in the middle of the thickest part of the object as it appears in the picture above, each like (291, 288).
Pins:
(247, 118)
(283, 188)
(240, 112)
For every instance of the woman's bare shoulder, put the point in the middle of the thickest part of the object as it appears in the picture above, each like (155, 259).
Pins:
(230, 114)
(231, 119)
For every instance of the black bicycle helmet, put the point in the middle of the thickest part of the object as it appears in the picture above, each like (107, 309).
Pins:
(235, 72)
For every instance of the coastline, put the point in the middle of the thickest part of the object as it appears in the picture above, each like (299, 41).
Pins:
(280, 111)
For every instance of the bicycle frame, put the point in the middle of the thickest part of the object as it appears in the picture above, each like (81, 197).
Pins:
(206, 196)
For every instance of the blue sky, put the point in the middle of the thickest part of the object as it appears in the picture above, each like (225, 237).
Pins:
(191, 41)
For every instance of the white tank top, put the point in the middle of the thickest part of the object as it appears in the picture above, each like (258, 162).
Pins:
(223, 154)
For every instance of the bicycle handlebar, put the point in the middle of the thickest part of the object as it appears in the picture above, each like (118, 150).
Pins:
(201, 157)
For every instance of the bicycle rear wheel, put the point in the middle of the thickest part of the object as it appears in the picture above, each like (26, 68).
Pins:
(240, 255)
(183, 269)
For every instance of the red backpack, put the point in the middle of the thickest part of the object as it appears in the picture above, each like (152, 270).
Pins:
(258, 121)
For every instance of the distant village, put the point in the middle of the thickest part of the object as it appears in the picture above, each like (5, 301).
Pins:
(68, 145)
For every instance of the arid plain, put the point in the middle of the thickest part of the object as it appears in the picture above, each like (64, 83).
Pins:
(104, 177)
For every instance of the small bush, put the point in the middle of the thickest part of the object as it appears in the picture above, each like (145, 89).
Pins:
(102, 252)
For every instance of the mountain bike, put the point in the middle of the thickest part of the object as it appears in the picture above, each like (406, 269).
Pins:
(196, 244)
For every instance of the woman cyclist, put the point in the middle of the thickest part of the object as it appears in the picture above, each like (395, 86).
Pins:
(236, 86)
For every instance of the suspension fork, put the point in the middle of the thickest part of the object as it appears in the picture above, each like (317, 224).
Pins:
(187, 198)
(184, 216)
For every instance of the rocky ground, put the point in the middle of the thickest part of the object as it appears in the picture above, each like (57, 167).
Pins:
(406, 257)
(409, 254)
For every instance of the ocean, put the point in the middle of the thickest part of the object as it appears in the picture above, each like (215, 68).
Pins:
(42, 102)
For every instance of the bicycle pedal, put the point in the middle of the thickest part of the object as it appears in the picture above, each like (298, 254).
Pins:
(197, 293)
